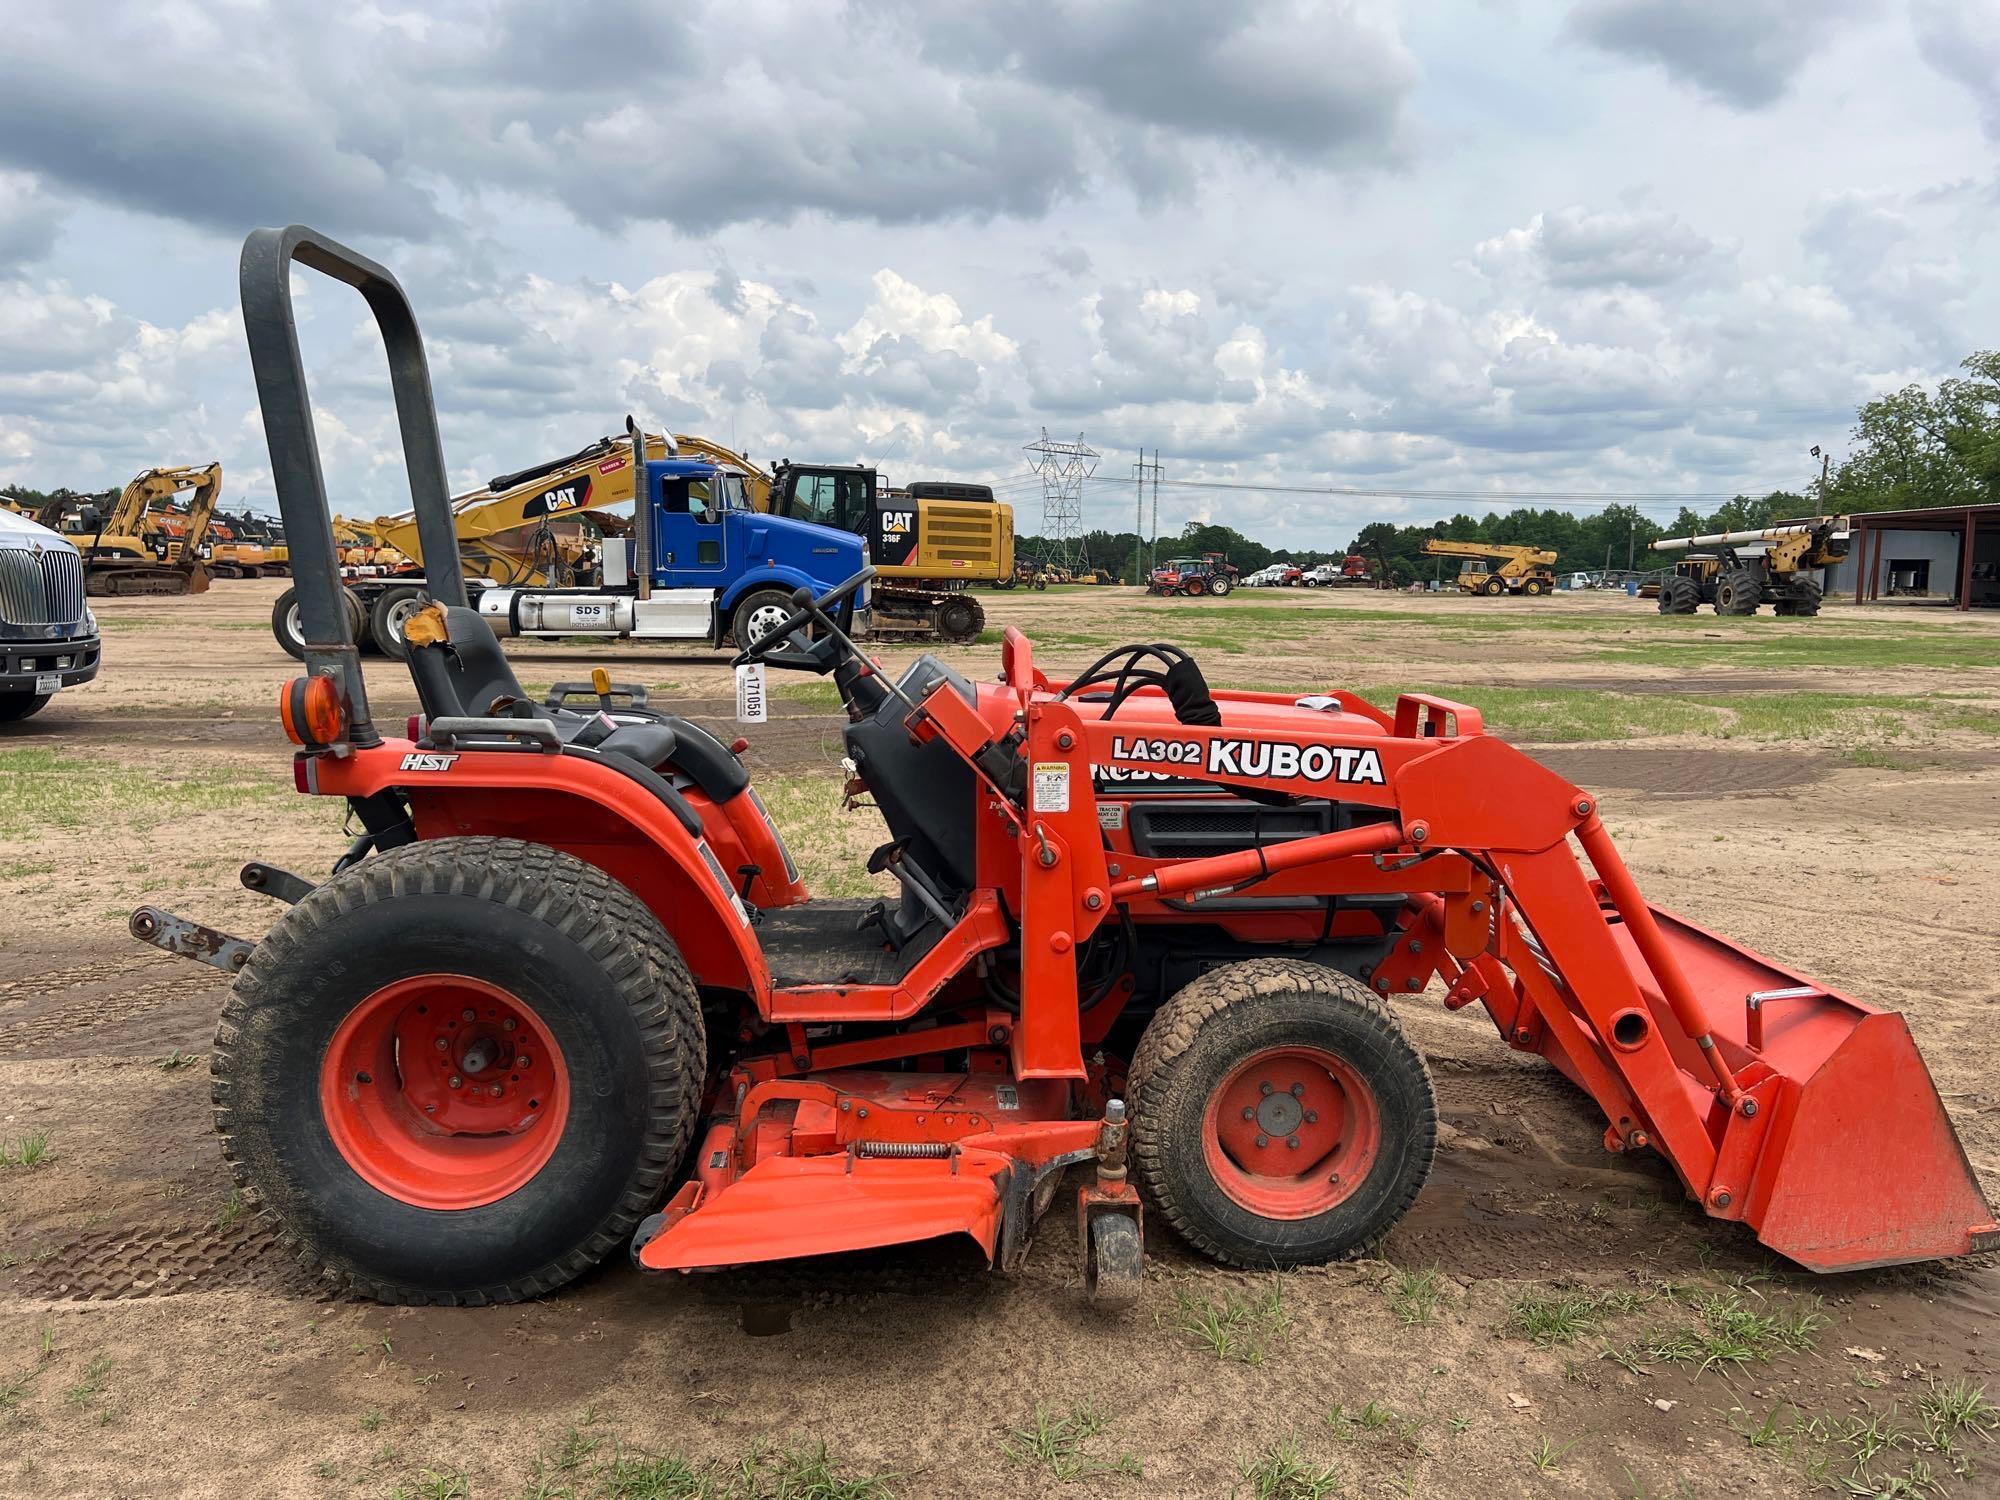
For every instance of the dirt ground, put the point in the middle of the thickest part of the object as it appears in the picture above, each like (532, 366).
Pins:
(1827, 791)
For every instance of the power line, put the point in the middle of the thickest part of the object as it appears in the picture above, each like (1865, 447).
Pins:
(1596, 497)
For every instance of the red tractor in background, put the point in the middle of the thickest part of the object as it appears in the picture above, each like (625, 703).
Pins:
(565, 992)
(1192, 577)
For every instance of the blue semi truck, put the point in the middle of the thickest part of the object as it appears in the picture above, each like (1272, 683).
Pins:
(713, 568)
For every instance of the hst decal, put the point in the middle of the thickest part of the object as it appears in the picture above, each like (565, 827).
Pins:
(1274, 759)
(428, 760)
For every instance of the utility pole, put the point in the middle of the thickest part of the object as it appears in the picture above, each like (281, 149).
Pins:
(1825, 465)
(1632, 541)
(1153, 549)
(1139, 472)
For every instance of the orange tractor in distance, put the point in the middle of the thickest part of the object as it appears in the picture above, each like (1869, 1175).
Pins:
(1192, 577)
(565, 993)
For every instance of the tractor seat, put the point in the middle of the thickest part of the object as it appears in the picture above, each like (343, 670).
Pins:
(461, 672)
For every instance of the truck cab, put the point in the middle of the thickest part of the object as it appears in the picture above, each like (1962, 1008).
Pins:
(48, 635)
(700, 565)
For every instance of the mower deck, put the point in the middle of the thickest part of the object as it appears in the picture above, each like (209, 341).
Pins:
(854, 1159)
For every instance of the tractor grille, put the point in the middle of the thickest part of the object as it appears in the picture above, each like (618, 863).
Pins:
(1188, 830)
(41, 590)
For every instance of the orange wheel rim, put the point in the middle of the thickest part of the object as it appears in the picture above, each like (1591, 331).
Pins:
(1291, 1132)
(444, 1091)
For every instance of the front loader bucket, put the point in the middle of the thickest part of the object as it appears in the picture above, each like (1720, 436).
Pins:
(1847, 1159)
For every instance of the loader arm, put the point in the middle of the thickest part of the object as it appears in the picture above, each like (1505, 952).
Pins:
(1780, 1102)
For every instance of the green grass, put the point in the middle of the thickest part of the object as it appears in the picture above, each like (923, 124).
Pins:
(1883, 1452)
(1572, 715)
(1064, 1442)
(1233, 1326)
(1284, 1471)
(45, 791)
(1413, 1296)
(830, 846)
(808, 694)
(582, 1467)
(30, 1150)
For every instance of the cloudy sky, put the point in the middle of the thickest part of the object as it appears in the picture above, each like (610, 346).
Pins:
(1608, 247)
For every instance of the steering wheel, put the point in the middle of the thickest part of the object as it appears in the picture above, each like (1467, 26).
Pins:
(809, 609)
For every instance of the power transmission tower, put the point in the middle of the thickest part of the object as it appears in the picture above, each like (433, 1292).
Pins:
(1139, 471)
(1063, 467)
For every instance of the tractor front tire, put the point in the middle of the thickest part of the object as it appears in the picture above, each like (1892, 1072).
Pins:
(1738, 592)
(460, 1072)
(1679, 596)
(1279, 1115)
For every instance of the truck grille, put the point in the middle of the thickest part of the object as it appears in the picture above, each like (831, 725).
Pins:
(41, 590)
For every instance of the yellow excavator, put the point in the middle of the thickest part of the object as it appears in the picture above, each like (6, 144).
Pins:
(1520, 570)
(928, 541)
(125, 549)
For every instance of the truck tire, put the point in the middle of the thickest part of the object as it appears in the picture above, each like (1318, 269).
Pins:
(1493, 588)
(1314, 1057)
(1804, 599)
(758, 613)
(1534, 588)
(1738, 592)
(959, 619)
(358, 622)
(286, 627)
(1679, 596)
(387, 616)
(14, 707)
(352, 1016)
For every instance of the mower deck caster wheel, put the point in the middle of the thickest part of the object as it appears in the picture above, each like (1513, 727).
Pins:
(1114, 1267)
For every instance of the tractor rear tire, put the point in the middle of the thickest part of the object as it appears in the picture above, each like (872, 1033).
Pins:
(1194, 588)
(1220, 586)
(1493, 588)
(1738, 592)
(1315, 1058)
(1679, 596)
(324, 1055)
(14, 707)
(386, 618)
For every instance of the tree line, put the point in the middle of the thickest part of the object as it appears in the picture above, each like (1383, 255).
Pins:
(1910, 448)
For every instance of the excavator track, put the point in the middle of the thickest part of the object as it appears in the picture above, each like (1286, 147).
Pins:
(898, 612)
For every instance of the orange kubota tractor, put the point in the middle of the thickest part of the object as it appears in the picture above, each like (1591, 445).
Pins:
(566, 993)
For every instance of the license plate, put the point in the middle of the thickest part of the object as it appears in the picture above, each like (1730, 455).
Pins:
(47, 682)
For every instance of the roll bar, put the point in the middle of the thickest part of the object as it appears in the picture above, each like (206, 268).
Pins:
(265, 283)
